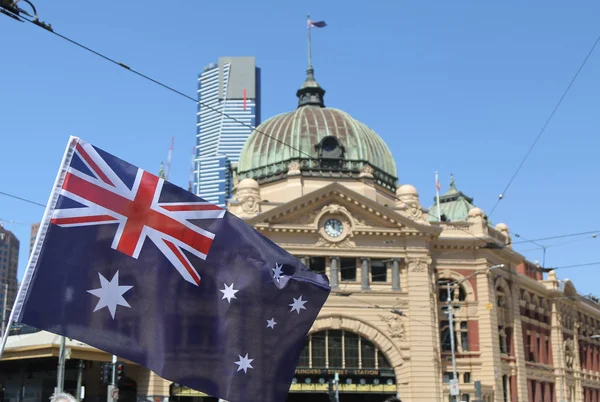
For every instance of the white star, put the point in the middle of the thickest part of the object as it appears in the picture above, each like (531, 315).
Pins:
(298, 304)
(277, 274)
(271, 323)
(229, 292)
(110, 294)
(244, 363)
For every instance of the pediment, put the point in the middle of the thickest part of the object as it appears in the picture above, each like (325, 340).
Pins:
(361, 213)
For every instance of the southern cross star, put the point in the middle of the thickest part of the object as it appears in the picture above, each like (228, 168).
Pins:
(271, 323)
(277, 273)
(244, 363)
(298, 304)
(110, 294)
(229, 292)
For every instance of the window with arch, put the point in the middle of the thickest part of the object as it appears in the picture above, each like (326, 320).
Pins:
(338, 349)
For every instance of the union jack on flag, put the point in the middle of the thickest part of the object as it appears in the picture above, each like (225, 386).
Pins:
(107, 266)
(104, 196)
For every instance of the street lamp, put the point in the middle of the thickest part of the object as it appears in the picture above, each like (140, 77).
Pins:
(450, 313)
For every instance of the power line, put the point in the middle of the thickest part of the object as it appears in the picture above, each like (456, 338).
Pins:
(22, 199)
(47, 28)
(146, 77)
(577, 265)
(13, 222)
(537, 138)
(593, 232)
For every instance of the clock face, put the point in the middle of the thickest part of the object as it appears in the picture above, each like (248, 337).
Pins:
(334, 227)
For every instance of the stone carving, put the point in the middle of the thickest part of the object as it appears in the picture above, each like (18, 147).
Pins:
(569, 351)
(417, 266)
(335, 209)
(366, 171)
(361, 221)
(346, 243)
(249, 198)
(395, 326)
(293, 168)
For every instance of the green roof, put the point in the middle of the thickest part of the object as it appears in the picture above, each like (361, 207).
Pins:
(294, 135)
(454, 205)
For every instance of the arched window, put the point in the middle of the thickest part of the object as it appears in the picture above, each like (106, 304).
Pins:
(337, 349)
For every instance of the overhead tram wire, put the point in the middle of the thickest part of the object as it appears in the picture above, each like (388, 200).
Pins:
(477, 238)
(543, 129)
(22, 199)
(556, 237)
(169, 88)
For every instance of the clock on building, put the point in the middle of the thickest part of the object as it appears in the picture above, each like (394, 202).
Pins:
(334, 227)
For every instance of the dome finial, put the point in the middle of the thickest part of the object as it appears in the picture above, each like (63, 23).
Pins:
(452, 183)
(311, 92)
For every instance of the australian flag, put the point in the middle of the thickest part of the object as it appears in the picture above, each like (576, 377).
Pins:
(140, 268)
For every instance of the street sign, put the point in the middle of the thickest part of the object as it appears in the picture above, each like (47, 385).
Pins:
(454, 391)
(115, 393)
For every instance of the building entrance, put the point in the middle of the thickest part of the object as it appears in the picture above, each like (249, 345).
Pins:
(363, 372)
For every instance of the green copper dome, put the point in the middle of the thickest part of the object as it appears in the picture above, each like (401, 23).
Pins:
(324, 141)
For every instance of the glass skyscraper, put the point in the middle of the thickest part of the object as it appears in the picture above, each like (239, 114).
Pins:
(228, 109)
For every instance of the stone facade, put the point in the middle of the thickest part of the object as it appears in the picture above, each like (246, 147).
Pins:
(523, 337)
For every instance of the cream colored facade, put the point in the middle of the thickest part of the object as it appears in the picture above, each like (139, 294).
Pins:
(333, 201)
(523, 337)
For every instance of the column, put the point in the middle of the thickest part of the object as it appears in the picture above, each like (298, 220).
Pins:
(424, 376)
(395, 274)
(547, 392)
(577, 364)
(514, 394)
(334, 277)
(557, 345)
(519, 345)
(489, 341)
(364, 274)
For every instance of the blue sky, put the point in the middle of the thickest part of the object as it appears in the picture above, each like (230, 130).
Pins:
(460, 87)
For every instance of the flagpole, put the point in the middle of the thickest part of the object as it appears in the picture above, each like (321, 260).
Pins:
(437, 196)
(309, 51)
(33, 257)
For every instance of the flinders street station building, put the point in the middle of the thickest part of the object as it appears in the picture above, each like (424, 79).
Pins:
(324, 186)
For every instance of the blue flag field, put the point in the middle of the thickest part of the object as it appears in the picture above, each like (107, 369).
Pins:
(140, 268)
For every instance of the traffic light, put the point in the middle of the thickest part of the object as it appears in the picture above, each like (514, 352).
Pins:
(106, 373)
(120, 366)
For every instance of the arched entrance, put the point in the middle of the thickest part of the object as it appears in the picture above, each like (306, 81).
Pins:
(364, 372)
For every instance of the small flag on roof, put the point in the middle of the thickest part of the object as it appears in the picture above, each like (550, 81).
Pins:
(316, 24)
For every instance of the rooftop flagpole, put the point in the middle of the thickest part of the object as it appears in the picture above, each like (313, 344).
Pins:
(309, 46)
(437, 196)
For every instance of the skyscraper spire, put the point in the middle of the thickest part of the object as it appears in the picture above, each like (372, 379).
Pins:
(311, 92)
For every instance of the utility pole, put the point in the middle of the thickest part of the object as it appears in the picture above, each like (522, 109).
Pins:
(450, 312)
(80, 368)
(60, 376)
(4, 308)
(337, 387)
(113, 391)
(454, 389)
